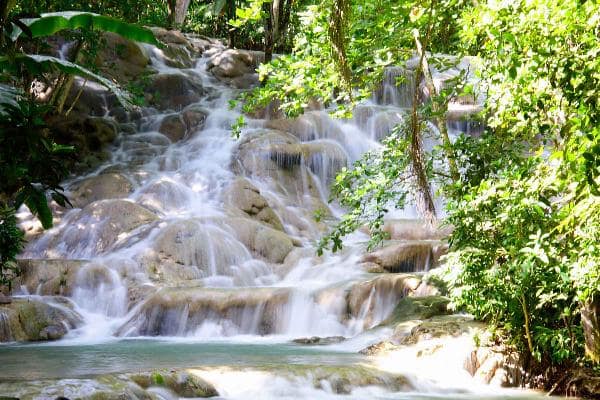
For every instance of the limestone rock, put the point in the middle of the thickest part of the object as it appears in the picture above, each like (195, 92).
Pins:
(99, 187)
(121, 59)
(236, 67)
(173, 127)
(378, 348)
(418, 308)
(256, 156)
(89, 135)
(392, 287)
(98, 227)
(181, 383)
(414, 230)
(194, 117)
(173, 91)
(264, 241)
(403, 257)
(316, 340)
(183, 310)
(50, 277)
(442, 326)
(34, 318)
(244, 196)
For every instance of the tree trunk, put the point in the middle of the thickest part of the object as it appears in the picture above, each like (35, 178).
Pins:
(590, 320)
(181, 7)
(269, 39)
(440, 118)
(231, 15)
(172, 11)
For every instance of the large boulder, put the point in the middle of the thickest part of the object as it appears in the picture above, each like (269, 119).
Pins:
(179, 311)
(173, 91)
(236, 67)
(121, 59)
(50, 277)
(261, 155)
(96, 228)
(89, 135)
(406, 257)
(181, 125)
(242, 195)
(193, 249)
(36, 318)
(264, 241)
(373, 300)
(99, 187)
(181, 383)
(173, 127)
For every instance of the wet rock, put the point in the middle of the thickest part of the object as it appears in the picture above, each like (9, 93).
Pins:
(179, 126)
(236, 67)
(403, 257)
(316, 340)
(92, 98)
(242, 195)
(196, 243)
(173, 91)
(312, 125)
(89, 135)
(170, 36)
(441, 326)
(99, 187)
(173, 127)
(164, 195)
(391, 287)
(252, 158)
(344, 379)
(97, 228)
(176, 312)
(271, 244)
(378, 348)
(418, 308)
(48, 277)
(372, 267)
(5, 299)
(194, 117)
(121, 59)
(36, 318)
(181, 383)
(414, 230)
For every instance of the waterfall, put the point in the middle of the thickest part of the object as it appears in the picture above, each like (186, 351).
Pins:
(185, 231)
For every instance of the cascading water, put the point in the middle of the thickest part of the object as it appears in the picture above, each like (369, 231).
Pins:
(188, 234)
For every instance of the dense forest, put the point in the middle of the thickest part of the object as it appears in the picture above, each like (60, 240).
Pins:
(520, 198)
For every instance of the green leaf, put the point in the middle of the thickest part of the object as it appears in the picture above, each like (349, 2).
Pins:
(8, 98)
(51, 23)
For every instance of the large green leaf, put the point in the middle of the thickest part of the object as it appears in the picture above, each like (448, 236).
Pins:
(50, 23)
(8, 98)
(38, 64)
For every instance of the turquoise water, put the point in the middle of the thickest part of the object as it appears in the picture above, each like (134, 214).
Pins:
(52, 361)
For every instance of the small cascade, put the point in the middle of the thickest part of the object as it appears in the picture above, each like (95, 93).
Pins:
(5, 330)
(397, 87)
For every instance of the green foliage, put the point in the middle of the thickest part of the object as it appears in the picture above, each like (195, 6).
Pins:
(378, 34)
(37, 65)
(31, 164)
(50, 23)
(378, 181)
(11, 242)
(524, 253)
(151, 12)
